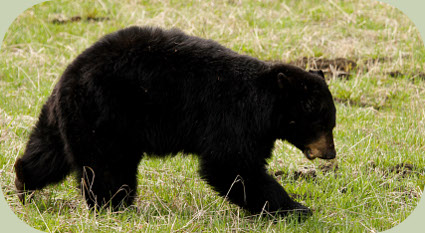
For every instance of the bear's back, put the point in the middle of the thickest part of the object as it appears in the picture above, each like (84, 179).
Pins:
(150, 53)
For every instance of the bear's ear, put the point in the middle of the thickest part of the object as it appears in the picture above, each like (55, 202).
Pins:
(282, 80)
(318, 72)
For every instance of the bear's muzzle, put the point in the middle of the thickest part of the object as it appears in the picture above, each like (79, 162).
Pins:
(322, 148)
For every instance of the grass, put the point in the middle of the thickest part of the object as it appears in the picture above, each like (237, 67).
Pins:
(376, 181)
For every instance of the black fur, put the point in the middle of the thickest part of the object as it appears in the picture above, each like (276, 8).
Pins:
(147, 90)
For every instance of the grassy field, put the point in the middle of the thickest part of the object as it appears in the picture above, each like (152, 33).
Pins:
(378, 85)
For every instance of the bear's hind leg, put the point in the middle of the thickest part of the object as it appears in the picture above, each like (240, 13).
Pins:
(44, 161)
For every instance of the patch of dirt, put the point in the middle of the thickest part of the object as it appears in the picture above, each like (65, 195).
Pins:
(376, 60)
(339, 67)
(413, 76)
(372, 61)
(328, 167)
(96, 19)
(402, 169)
(342, 67)
(303, 173)
(77, 18)
(308, 172)
(63, 21)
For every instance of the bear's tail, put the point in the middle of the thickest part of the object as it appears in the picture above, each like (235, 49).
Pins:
(44, 161)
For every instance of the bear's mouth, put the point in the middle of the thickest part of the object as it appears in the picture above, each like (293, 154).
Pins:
(309, 154)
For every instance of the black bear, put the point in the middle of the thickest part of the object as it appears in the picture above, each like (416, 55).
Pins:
(145, 90)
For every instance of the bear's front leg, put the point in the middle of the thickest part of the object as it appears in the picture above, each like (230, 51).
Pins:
(247, 184)
(103, 187)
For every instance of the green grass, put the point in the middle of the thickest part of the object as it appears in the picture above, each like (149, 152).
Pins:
(380, 119)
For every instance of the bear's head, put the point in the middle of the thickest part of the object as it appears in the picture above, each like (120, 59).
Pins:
(306, 111)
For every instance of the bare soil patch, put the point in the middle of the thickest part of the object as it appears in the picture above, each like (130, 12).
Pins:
(339, 67)
(302, 173)
(342, 67)
(328, 167)
(402, 170)
(413, 76)
(77, 18)
(309, 172)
